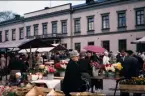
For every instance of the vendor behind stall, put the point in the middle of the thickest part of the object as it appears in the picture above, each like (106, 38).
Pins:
(130, 69)
(17, 64)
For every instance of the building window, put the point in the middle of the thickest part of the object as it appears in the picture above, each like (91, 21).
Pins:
(77, 25)
(140, 17)
(35, 29)
(78, 47)
(21, 33)
(90, 43)
(0, 36)
(28, 32)
(44, 25)
(64, 26)
(105, 21)
(13, 34)
(54, 27)
(106, 45)
(90, 23)
(64, 45)
(7, 35)
(122, 19)
(122, 44)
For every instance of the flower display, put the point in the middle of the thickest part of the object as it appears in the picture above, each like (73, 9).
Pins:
(113, 67)
(61, 66)
(46, 69)
(41, 66)
(134, 81)
(109, 67)
(96, 65)
(8, 91)
(118, 66)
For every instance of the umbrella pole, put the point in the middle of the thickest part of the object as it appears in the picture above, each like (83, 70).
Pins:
(6, 62)
(30, 57)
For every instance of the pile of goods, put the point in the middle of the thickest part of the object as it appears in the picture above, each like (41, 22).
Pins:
(28, 90)
(86, 94)
(134, 84)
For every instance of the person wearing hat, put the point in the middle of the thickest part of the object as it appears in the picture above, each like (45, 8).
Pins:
(130, 69)
(72, 79)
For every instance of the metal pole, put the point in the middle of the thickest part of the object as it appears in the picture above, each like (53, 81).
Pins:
(30, 57)
(6, 61)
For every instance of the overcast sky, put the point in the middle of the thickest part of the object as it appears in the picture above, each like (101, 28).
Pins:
(22, 7)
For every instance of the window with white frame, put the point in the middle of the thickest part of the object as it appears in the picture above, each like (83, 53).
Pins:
(54, 27)
(90, 23)
(7, 35)
(44, 25)
(64, 26)
(21, 33)
(13, 34)
(105, 21)
(77, 25)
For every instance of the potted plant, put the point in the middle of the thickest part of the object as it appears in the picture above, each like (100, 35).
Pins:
(61, 67)
(47, 71)
(110, 70)
(96, 68)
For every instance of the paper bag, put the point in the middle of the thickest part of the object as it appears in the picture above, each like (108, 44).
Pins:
(54, 93)
(35, 92)
(32, 92)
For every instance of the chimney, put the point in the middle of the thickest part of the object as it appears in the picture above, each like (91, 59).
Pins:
(89, 1)
(46, 7)
(17, 16)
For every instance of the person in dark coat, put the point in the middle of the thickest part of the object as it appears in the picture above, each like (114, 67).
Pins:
(140, 60)
(85, 64)
(17, 64)
(72, 81)
(130, 69)
(88, 60)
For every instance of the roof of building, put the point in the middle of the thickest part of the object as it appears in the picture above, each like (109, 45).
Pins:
(96, 3)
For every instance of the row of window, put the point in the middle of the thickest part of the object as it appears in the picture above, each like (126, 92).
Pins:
(122, 45)
(140, 20)
(105, 44)
(36, 30)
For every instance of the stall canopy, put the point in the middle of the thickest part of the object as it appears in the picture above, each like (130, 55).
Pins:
(142, 40)
(59, 47)
(13, 44)
(47, 49)
(56, 47)
(35, 43)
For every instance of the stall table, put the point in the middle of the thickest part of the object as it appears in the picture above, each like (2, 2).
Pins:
(98, 81)
(55, 83)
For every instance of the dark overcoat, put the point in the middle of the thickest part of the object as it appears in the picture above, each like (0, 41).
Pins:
(72, 80)
(130, 67)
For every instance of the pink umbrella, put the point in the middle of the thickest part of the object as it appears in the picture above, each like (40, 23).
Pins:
(95, 49)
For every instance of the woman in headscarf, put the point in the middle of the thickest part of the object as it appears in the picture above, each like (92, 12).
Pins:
(72, 81)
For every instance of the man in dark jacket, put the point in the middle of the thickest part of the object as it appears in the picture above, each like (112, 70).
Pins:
(85, 64)
(140, 60)
(72, 81)
(130, 69)
(17, 64)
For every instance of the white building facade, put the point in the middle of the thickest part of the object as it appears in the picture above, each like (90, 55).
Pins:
(112, 24)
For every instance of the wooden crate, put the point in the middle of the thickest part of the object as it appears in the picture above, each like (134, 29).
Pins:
(132, 87)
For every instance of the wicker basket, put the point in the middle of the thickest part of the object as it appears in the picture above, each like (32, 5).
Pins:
(132, 87)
